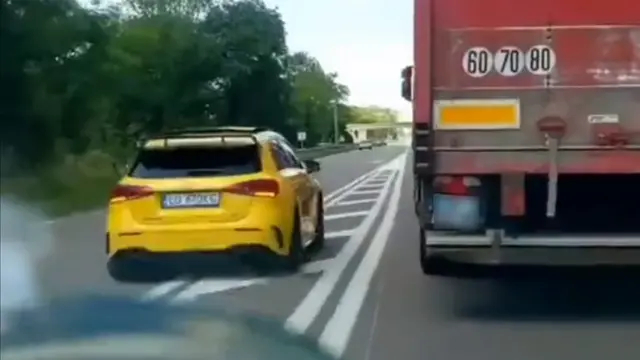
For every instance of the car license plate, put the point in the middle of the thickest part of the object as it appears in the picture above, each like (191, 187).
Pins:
(191, 200)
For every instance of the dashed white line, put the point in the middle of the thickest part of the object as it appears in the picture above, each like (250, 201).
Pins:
(356, 202)
(345, 215)
(307, 311)
(337, 332)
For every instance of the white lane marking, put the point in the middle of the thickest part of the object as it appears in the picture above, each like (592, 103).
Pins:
(214, 286)
(162, 290)
(356, 202)
(330, 200)
(374, 182)
(204, 287)
(345, 215)
(365, 192)
(368, 186)
(338, 234)
(307, 311)
(337, 332)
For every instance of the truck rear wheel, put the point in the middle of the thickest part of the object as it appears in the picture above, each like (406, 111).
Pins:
(424, 260)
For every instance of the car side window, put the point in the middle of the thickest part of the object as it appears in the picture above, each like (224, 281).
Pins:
(291, 154)
(282, 157)
(279, 156)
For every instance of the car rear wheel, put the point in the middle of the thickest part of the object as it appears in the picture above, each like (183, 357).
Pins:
(123, 270)
(295, 258)
(318, 240)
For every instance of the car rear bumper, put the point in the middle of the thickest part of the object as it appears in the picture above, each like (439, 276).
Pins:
(207, 240)
(481, 261)
(231, 259)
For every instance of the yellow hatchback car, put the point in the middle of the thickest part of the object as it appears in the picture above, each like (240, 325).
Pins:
(199, 193)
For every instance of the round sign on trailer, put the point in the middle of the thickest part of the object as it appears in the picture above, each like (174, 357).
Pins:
(540, 60)
(477, 61)
(509, 61)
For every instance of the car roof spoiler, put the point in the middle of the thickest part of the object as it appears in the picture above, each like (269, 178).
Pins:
(223, 135)
(200, 136)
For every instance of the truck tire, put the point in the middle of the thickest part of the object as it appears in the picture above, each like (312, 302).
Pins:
(424, 258)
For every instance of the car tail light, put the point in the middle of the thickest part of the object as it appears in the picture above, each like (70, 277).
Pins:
(130, 192)
(261, 188)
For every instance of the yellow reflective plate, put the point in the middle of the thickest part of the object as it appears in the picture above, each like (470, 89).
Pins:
(479, 114)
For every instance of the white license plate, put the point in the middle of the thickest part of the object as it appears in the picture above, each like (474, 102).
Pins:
(191, 200)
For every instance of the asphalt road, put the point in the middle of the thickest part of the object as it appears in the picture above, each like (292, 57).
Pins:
(364, 296)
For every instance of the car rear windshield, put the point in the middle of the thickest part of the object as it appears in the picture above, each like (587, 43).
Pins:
(196, 162)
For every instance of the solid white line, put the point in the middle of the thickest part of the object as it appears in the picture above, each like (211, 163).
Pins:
(337, 332)
(345, 215)
(338, 234)
(307, 311)
(162, 290)
(365, 192)
(356, 202)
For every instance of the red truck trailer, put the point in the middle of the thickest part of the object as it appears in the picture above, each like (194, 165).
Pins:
(526, 134)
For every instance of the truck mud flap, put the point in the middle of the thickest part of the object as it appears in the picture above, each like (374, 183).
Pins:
(424, 172)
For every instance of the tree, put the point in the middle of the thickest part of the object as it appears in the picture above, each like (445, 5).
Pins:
(315, 96)
(373, 114)
(81, 79)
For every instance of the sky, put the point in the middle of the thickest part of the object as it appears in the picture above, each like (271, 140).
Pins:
(367, 42)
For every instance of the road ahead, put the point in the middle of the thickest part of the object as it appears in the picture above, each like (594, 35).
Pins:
(364, 296)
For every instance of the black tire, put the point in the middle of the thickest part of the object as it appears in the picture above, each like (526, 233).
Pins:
(295, 258)
(122, 270)
(318, 240)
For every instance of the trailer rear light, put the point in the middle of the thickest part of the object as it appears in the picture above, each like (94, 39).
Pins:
(130, 192)
(470, 181)
(258, 188)
(455, 185)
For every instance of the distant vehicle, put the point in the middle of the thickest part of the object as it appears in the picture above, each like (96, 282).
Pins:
(523, 134)
(195, 193)
(365, 145)
(380, 142)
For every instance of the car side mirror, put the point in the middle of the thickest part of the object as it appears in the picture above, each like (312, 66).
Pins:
(312, 166)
